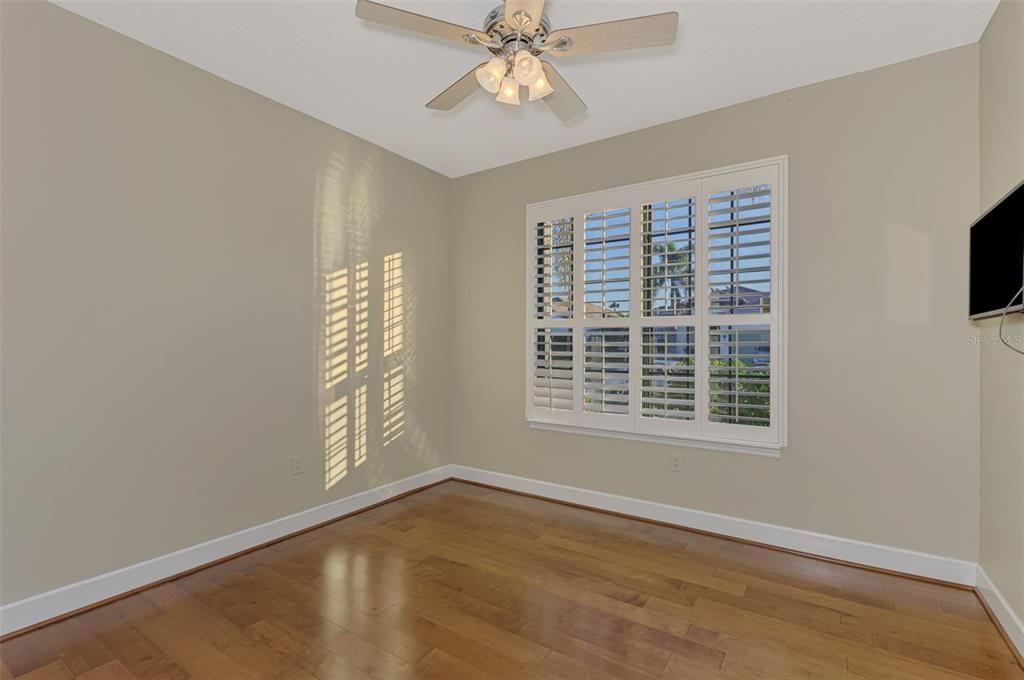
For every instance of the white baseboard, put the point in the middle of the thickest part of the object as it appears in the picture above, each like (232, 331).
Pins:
(38, 608)
(858, 552)
(1001, 609)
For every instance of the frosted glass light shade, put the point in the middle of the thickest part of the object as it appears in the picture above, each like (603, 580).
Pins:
(490, 74)
(526, 67)
(509, 92)
(539, 88)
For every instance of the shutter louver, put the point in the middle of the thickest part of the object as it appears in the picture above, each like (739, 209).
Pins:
(554, 269)
(606, 370)
(552, 369)
(669, 249)
(668, 372)
(739, 251)
(606, 264)
(739, 375)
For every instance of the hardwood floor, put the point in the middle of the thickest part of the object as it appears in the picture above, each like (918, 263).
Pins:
(460, 582)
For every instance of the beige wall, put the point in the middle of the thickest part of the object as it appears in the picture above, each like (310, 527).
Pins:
(1002, 371)
(883, 384)
(163, 235)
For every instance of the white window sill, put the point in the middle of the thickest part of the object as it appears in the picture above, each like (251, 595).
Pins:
(695, 441)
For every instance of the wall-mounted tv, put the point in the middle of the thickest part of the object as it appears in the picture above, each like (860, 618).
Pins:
(997, 256)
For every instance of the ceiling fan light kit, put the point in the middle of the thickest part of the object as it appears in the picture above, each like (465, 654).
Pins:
(518, 34)
(527, 67)
(509, 92)
(540, 88)
(490, 74)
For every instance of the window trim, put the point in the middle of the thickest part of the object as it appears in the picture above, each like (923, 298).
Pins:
(724, 437)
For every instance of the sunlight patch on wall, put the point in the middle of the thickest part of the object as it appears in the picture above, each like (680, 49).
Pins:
(362, 295)
(336, 328)
(336, 441)
(361, 433)
(393, 311)
(394, 404)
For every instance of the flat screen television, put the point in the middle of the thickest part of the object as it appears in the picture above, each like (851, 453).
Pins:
(997, 256)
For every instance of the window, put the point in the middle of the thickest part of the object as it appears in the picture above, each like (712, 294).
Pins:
(657, 310)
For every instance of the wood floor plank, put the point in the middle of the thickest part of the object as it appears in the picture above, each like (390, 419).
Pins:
(368, 657)
(439, 665)
(603, 660)
(199, 656)
(612, 632)
(489, 659)
(337, 618)
(212, 627)
(860, 613)
(305, 653)
(462, 582)
(54, 670)
(137, 653)
(112, 670)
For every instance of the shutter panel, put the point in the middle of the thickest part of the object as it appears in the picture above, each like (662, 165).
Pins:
(606, 264)
(739, 375)
(606, 370)
(668, 372)
(739, 251)
(554, 269)
(552, 369)
(669, 257)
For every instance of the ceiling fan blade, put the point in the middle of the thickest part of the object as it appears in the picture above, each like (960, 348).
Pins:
(563, 101)
(535, 8)
(399, 18)
(456, 92)
(612, 36)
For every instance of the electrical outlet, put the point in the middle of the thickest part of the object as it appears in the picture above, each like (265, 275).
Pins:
(296, 466)
(675, 462)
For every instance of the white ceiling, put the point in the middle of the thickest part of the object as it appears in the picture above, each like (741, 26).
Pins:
(317, 57)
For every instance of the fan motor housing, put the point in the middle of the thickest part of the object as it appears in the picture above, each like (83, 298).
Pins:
(496, 27)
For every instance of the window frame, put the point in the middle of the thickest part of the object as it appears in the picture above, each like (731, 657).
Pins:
(698, 432)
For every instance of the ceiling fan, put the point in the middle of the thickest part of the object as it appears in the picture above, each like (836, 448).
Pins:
(517, 34)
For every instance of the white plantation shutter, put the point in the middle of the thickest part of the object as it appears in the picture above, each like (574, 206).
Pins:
(669, 257)
(656, 310)
(606, 370)
(554, 269)
(740, 383)
(739, 250)
(669, 373)
(552, 369)
(606, 264)
(739, 375)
